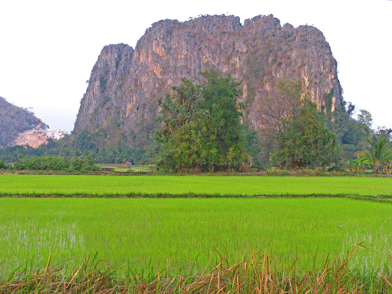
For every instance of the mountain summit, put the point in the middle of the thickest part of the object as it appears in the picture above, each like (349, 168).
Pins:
(125, 84)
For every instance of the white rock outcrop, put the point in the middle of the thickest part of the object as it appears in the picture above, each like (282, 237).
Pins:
(37, 137)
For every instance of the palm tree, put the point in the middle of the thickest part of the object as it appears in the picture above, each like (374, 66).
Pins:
(378, 152)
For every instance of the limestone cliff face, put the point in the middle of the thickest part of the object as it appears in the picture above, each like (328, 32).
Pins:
(100, 102)
(126, 84)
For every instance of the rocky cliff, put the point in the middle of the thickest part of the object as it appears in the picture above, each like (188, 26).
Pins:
(125, 84)
(18, 126)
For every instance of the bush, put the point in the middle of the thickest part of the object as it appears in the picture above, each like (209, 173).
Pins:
(2, 164)
(89, 164)
(55, 163)
(277, 172)
(77, 164)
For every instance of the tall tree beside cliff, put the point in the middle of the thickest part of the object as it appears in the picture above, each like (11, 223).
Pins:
(201, 126)
(293, 134)
(305, 142)
(280, 107)
(15, 120)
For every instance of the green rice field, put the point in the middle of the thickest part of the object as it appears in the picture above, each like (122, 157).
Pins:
(148, 234)
(144, 234)
(192, 185)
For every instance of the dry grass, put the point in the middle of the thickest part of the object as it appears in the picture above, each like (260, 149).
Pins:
(256, 273)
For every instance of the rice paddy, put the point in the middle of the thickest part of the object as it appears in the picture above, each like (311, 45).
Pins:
(144, 234)
(192, 185)
(186, 236)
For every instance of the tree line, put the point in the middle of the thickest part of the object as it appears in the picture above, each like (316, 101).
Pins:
(51, 163)
(203, 128)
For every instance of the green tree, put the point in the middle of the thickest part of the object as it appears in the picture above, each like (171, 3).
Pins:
(364, 117)
(201, 126)
(223, 121)
(292, 131)
(378, 152)
(305, 142)
(348, 130)
(280, 107)
(84, 141)
(178, 114)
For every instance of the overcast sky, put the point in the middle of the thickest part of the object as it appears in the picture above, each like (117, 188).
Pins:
(48, 48)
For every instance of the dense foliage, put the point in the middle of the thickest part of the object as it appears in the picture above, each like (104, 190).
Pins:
(201, 126)
(85, 144)
(305, 142)
(350, 132)
(202, 129)
(52, 163)
(378, 152)
(293, 135)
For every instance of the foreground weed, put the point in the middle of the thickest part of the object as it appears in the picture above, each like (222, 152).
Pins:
(253, 273)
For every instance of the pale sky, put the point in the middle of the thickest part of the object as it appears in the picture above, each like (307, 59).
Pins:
(48, 48)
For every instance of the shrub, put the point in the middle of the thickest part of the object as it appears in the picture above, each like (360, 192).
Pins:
(89, 165)
(55, 163)
(77, 164)
(2, 164)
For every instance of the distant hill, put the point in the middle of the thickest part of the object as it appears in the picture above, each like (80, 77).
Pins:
(120, 104)
(15, 120)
